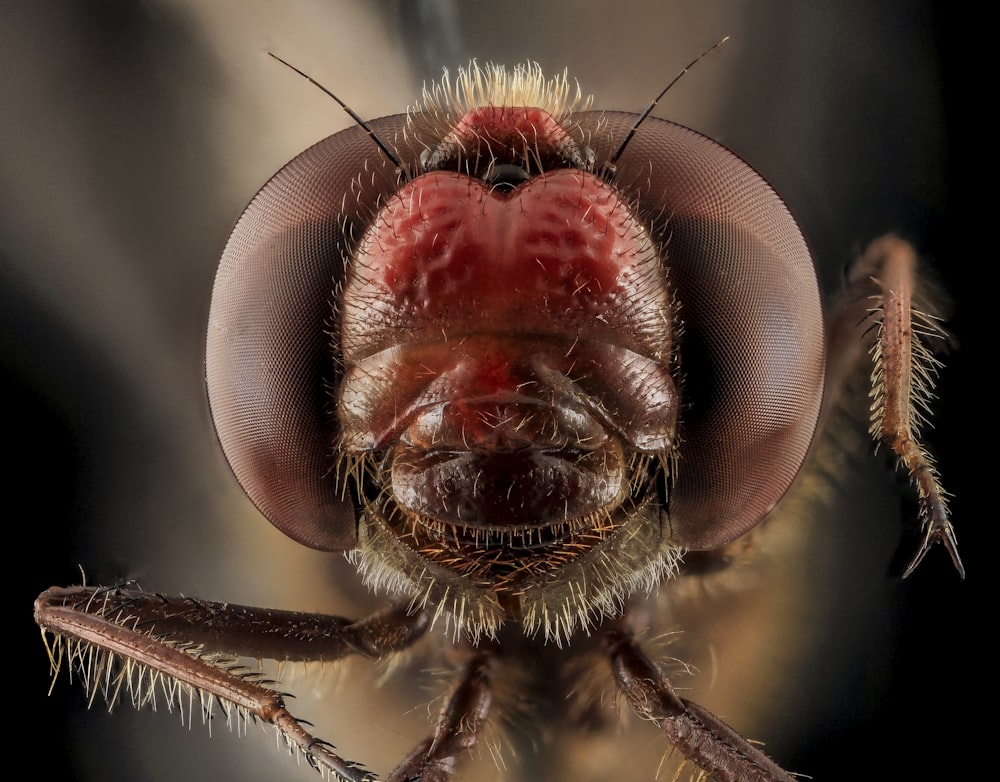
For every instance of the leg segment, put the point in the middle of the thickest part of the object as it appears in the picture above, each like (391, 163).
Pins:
(458, 727)
(145, 643)
(699, 735)
(903, 375)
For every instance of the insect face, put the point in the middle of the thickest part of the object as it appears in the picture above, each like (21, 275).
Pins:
(522, 374)
(508, 352)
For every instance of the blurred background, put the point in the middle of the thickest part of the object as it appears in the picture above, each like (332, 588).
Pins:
(132, 135)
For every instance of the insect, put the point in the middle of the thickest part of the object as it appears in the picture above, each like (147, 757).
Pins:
(526, 363)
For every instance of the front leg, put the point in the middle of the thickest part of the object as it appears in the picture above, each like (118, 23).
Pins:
(143, 644)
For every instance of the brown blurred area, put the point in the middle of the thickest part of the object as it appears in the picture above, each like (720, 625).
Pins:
(132, 135)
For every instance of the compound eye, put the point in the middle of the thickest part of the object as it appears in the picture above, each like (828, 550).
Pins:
(752, 350)
(268, 363)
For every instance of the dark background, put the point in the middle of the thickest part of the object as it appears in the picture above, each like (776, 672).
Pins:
(131, 136)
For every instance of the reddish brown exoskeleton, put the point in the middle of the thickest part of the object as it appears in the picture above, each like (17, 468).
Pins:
(543, 373)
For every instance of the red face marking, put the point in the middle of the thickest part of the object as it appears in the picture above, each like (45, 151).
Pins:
(560, 255)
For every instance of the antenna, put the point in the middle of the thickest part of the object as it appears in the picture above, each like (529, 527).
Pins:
(351, 113)
(642, 117)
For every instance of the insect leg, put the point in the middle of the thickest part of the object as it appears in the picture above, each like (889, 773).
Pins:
(458, 727)
(140, 643)
(901, 326)
(700, 736)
